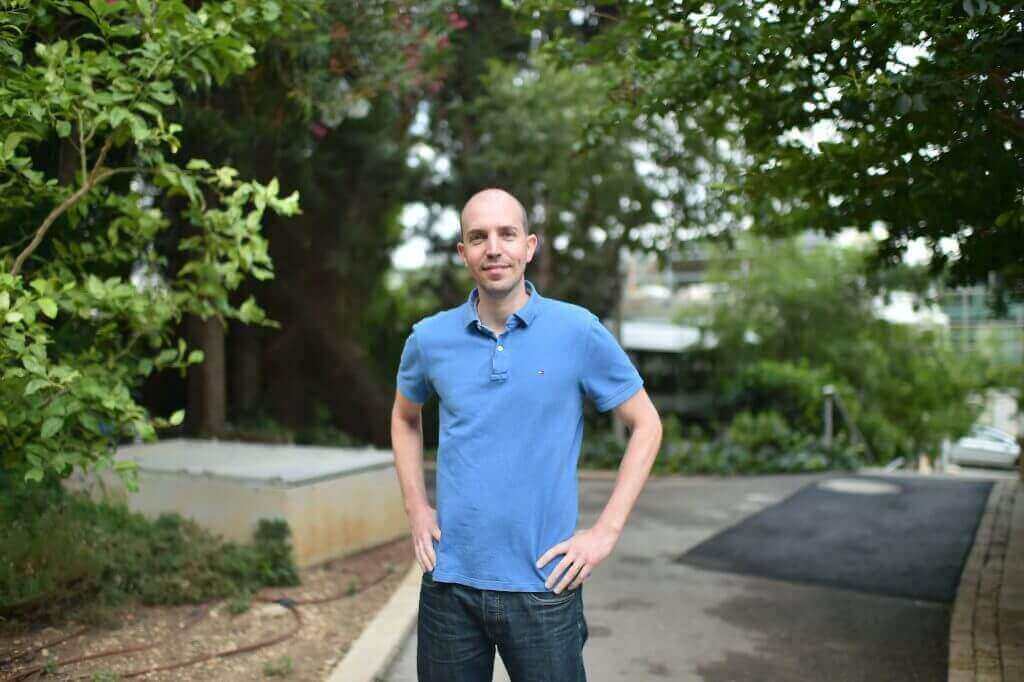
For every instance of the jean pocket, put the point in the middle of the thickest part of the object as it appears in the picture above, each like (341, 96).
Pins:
(552, 599)
(428, 581)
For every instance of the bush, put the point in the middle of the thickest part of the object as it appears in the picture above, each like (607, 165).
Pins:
(760, 443)
(62, 551)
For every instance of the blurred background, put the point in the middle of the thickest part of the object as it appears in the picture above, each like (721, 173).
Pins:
(804, 221)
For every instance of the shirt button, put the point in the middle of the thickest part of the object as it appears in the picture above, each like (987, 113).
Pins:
(501, 347)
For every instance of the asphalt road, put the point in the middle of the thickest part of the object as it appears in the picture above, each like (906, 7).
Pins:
(652, 618)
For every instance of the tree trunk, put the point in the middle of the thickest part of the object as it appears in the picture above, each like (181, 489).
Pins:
(206, 381)
(246, 371)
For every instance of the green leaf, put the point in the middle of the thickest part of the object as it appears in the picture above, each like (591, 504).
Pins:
(95, 287)
(163, 97)
(140, 131)
(34, 474)
(49, 307)
(51, 426)
(35, 385)
(13, 317)
(195, 356)
(63, 128)
(12, 142)
(177, 417)
(118, 115)
(5, 300)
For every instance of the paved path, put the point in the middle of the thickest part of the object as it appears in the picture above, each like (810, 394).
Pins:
(651, 618)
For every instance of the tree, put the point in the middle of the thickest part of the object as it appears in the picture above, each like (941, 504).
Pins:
(88, 303)
(791, 319)
(902, 115)
(327, 109)
(514, 118)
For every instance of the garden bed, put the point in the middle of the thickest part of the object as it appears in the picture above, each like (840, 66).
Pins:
(353, 590)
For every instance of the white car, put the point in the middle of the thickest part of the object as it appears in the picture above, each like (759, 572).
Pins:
(986, 446)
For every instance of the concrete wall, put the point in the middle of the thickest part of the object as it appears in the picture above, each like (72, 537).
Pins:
(329, 518)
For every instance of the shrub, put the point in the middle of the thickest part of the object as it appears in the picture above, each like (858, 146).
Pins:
(64, 551)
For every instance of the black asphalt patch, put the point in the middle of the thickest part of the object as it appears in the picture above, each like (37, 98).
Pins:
(909, 544)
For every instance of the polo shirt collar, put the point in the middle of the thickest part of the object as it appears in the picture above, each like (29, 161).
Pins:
(526, 314)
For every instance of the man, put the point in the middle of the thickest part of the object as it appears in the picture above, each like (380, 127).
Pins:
(511, 369)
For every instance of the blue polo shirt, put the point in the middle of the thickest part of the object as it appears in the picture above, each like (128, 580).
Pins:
(511, 413)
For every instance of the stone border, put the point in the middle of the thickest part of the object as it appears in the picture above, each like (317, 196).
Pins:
(1011, 594)
(380, 642)
(978, 650)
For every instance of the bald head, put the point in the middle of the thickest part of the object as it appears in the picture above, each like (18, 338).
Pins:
(488, 202)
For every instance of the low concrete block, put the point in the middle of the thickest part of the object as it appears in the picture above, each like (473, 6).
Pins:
(337, 501)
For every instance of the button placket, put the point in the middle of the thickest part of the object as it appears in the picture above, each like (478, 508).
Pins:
(499, 360)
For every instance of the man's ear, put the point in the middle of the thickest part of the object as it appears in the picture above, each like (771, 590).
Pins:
(461, 249)
(532, 242)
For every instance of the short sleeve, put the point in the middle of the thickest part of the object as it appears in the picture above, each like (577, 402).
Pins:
(607, 376)
(412, 372)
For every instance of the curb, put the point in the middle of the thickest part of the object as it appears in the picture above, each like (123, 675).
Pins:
(374, 650)
(979, 648)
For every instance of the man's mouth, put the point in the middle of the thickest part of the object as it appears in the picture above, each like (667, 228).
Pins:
(495, 267)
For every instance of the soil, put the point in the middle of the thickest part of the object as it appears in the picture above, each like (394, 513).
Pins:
(363, 583)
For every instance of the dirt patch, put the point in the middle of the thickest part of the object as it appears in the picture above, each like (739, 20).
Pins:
(321, 633)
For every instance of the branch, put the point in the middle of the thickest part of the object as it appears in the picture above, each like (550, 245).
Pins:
(93, 178)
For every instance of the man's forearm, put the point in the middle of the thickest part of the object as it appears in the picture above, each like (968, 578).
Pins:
(641, 451)
(407, 443)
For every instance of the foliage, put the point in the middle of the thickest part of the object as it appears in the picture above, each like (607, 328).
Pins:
(899, 114)
(258, 427)
(791, 390)
(791, 319)
(87, 185)
(760, 443)
(62, 550)
(515, 118)
(329, 109)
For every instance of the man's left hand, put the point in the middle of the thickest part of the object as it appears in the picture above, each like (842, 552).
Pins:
(583, 552)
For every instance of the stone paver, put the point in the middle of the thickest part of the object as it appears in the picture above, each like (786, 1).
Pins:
(986, 637)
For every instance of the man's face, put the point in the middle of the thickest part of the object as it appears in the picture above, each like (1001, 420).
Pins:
(495, 246)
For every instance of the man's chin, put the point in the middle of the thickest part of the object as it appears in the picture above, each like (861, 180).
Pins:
(500, 288)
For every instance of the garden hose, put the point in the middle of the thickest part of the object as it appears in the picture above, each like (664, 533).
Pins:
(287, 602)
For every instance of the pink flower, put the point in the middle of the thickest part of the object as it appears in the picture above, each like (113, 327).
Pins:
(456, 21)
(318, 129)
(443, 42)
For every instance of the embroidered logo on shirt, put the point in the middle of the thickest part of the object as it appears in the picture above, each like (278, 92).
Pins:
(540, 371)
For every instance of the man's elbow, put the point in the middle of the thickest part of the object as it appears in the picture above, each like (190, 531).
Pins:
(653, 425)
(404, 420)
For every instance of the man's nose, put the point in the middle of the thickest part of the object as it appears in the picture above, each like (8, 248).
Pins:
(492, 245)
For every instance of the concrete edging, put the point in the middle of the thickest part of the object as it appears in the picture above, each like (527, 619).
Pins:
(979, 646)
(375, 649)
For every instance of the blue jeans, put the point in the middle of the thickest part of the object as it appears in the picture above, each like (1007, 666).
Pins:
(540, 635)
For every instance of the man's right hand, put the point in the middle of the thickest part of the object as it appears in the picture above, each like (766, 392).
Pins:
(423, 523)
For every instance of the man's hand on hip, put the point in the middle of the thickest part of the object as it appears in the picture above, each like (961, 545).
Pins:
(423, 523)
(583, 552)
